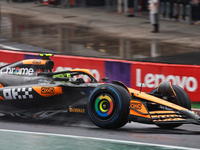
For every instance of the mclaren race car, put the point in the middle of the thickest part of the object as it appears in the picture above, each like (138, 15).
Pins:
(30, 89)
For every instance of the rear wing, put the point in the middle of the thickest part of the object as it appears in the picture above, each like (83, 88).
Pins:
(29, 66)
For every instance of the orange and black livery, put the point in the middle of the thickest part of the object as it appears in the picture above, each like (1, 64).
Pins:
(30, 89)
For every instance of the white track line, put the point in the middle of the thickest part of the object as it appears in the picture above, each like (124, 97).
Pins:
(98, 139)
(10, 47)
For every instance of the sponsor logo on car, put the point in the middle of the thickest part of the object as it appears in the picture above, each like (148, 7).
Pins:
(76, 110)
(47, 90)
(36, 62)
(17, 93)
(17, 70)
(137, 106)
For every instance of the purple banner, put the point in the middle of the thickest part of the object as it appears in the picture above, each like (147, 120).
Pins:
(119, 71)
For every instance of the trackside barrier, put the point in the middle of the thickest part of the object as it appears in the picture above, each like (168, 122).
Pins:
(133, 74)
(10, 57)
(151, 74)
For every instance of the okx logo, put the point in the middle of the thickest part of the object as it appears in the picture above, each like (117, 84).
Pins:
(47, 90)
(17, 93)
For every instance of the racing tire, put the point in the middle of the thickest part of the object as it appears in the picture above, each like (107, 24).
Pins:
(108, 106)
(182, 100)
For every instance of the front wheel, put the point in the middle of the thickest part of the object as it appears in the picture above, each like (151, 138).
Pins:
(108, 106)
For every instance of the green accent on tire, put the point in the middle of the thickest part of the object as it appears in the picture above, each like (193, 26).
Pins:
(96, 104)
(101, 106)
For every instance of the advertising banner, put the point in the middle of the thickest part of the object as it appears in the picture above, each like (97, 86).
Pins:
(9, 57)
(149, 75)
(119, 71)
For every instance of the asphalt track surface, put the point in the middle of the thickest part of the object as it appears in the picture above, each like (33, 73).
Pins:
(187, 136)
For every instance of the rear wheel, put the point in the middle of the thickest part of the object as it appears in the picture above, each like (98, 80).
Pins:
(182, 99)
(108, 106)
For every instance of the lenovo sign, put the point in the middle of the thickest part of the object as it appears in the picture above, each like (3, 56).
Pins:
(150, 75)
(151, 80)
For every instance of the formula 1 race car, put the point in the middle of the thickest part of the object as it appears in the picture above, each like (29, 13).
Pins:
(29, 89)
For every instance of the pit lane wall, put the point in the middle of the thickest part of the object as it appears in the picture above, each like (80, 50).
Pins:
(129, 72)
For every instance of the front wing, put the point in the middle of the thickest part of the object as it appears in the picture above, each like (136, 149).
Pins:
(170, 114)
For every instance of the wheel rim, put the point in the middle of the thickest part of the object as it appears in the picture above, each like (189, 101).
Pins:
(104, 105)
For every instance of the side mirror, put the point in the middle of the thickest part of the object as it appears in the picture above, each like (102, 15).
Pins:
(104, 79)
